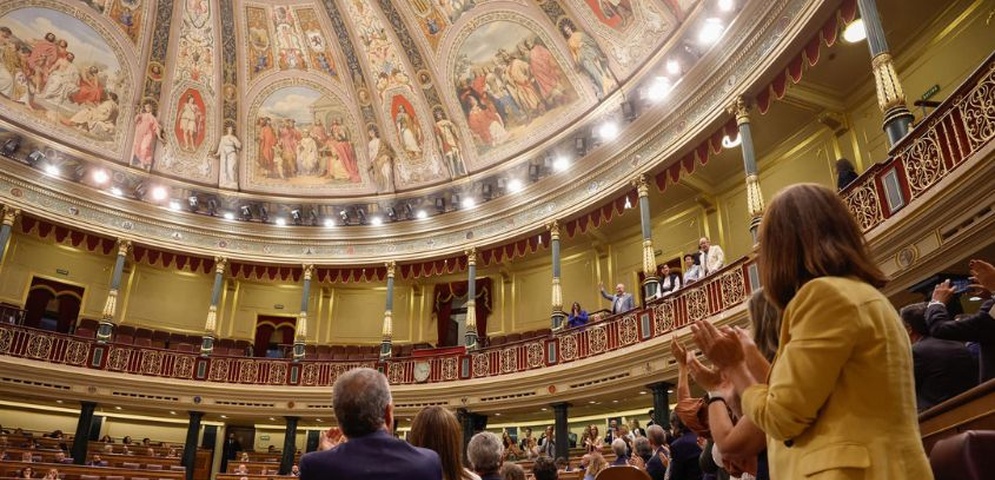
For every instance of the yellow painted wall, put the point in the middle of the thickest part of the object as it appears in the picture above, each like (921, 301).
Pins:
(117, 426)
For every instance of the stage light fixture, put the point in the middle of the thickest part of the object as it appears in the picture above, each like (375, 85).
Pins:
(440, 204)
(580, 146)
(36, 157)
(488, 191)
(421, 214)
(212, 207)
(344, 215)
(193, 202)
(391, 214)
(263, 214)
(246, 212)
(100, 176)
(11, 146)
(295, 215)
(514, 185)
(159, 193)
(407, 210)
(454, 202)
(361, 215)
(313, 217)
(229, 216)
(280, 222)
(629, 110)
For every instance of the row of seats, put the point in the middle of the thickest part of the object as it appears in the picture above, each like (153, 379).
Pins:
(146, 337)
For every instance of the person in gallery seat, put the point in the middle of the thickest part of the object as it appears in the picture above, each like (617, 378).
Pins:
(845, 173)
(365, 411)
(621, 302)
(692, 269)
(578, 316)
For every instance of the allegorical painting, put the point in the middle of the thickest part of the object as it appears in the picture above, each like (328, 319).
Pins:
(56, 70)
(284, 38)
(127, 14)
(190, 125)
(507, 81)
(617, 14)
(304, 138)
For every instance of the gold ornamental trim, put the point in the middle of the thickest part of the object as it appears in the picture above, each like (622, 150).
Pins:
(889, 89)
(741, 109)
(301, 326)
(110, 307)
(557, 295)
(641, 185)
(649, 258)
(388, 325)
(212, 319)
(754, 196)
(10, 215)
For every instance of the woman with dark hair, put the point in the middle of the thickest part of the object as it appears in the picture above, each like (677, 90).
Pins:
(839, 401)
(845, 173)
(578, 316)
(436, 428)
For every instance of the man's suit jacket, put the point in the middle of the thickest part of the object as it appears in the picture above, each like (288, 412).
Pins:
(620, 304)
(712, 260)
(943, 368)
(979, 327)
(375, 456)
(655, 467)
(840, 392)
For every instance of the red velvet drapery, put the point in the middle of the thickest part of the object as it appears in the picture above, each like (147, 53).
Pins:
(442, 307)
(266, 325)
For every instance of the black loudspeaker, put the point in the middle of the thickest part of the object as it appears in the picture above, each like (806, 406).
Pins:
(98, 423)
(313, 437)
(210, 437)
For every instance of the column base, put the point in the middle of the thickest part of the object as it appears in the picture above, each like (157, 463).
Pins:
(207, 346)
(651, 285)
(298, 351)
(558, 319)
(105, 329)
(896, 123)
(386, 349)
(470, 341)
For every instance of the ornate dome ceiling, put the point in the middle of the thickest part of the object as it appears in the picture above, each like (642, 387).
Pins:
(330, 111)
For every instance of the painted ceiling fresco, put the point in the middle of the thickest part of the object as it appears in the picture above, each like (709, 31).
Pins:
(317, 98)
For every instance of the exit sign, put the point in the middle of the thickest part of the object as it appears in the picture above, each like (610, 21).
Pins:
(930, 93)
(62, 271)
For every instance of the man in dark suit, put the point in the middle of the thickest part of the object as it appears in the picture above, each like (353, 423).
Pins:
(365, 412)
(655, 467)
(621, 302)
(979, 327)
(943, 368)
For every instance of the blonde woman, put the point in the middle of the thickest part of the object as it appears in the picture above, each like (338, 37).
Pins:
(597, 464)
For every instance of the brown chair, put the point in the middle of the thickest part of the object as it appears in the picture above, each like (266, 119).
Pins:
(124, 339)
(184, 347)
(966, 456)
(513, 337)
(125, 330)
(88, 323)
(89, 477)
(84, 332)
(143, 341)
(623, 472)
(356, 357)
(160, 339)
(153, 466)
(495, 341)
(131, 465)
(338, 349)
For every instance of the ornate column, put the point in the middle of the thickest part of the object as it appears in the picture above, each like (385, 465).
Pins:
(891, 96)
(211, 325)
(301, 338)
(557, 296)
(754, 197)
(388, 314)
(560, 430)
(82, 437)
(472, 423)
(289, 445)
(471, 299)
(651, 284)
(190, 446)
(661, 403)
(106, 326)
(6, 228)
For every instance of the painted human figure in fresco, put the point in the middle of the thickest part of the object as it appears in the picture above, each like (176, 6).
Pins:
(409, 132)
(381, 161)
(191, 120)
(228, 148)
(267, 146)
(588, 58)
(147, 131)
(445, 135)
(342, 142)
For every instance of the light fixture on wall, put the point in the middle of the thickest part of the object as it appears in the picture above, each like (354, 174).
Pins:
(344, 215)
(440, 204)
(711, 31)
(855, 31)
(361, 215)
(212, 207)
(263, 214)
(313, 217)
(731, 142)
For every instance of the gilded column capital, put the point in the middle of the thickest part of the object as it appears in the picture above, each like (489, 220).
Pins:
(123, 247)
(10, 214)
(308, 270)
(391, 267)
(642, 186)
(889, 89)
(741, 109)
(554, 229)
(754, 196)
(471, 256)
(301, 326)
(220, 264)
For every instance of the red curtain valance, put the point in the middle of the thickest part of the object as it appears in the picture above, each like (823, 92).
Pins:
(442, 307)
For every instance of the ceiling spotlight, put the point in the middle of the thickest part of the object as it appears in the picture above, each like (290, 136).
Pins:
(608, 131)
(10, 146)
(36, 157)
(100, 177)
(229, 216)
(440, 204)
(488, 191)
(731, 142)
(174, 205)
(710, 31)
(224, 416)
(727, 5)
(313, 216)
(514, 185)
(295, 215)
(642, 392)
(116, 191)
(391, 214)
(117, 408)
(159, 193)
(469, 202)
(421, 214)
(263, 214)
(193, 202)
(344, 215)
(855, 31)
(454, 201)
(212, 207)
(361, 215)
(172, 412)
(659, 89)
(629, 110)
(52, 170)
(561, 163)
(673, 67)
(408, 211)
(329, 222)
(580, 146)
(281, 221)
(246, 212)
(534, 171)
(376, 221)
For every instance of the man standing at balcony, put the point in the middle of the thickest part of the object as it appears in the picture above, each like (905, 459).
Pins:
(365, 412)
(712, 256)
(621, 302)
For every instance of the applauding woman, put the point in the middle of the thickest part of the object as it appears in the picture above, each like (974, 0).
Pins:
(839, 401)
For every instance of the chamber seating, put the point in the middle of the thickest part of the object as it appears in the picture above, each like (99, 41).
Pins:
(966, 456)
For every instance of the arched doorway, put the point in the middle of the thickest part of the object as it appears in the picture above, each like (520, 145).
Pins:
(273, 335)
(52, 305)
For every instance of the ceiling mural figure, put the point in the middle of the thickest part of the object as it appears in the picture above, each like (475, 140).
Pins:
(303, 139)
(318, 50)
(127, 14)
(588, 58)
(227, 152)
(259, 56)
(60, 74)
(287, 38)
(435, 17)
(195, 54)
(148, 131)
(384, 61)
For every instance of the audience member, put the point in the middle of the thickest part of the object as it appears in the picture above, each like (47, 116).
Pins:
(712, 256)
(943, 368)
(106, 439)
(242, 469)
(108, 448)
(621, 302)
(670, 281)
(562, 464)
(125, 450)
(295, 470)
(596, 442)
(171, 452)
(641, 449)
(621, 452)
(26, 472)
(544, 469)
(635, 430)
(126, 440)
(96, 461)
(27, 457)
(612, 432)
(656, 466)
(511, 450)
(364, 410)
(437, 429)
(597, 465)
(845, 173)
(512, 471)
(692, 269)
(52, 474)
(585, 438)
(837, 402)
(150, 452)
(523, 443)
(146, 442)
(578, 316)
(244, 457)
(547, 444)
(531, 448)
(484, 452)
(684, 452)
(979, 327)
(60, 457)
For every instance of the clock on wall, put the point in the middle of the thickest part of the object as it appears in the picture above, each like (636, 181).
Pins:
(422, 371)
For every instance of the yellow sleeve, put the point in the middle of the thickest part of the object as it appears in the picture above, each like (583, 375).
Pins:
(823, 325)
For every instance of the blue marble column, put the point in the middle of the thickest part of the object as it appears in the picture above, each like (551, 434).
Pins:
(211, 325)
(106, 325)
(388, 314)
(301, 338)
(558, 316)
(754, 196)
(470, 339)
(651, 284)
(7, 228)
(891, 96)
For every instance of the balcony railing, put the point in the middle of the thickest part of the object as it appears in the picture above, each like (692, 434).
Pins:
(719, 292)
(938, 145)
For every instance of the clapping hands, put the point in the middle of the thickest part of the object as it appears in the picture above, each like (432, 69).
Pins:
(723, 347)
(332, 438)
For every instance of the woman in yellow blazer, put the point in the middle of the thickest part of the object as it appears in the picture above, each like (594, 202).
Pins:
(839, 402)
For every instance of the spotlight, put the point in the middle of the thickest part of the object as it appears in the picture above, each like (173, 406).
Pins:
(212, 207)
(174, 205)
(855, 31)
(440, 204)
(376, 221)
(361, 215)
(580, 146)
(469, 203)
(100, 176)
(246, 212)
(295, 215)
(421, 214)
(454, 201)
(281, 221)
(659, 89)
(673, 67)
(344, 215)
(727, 5)
(488, 191)
(52, 170)
(629, 110)
(502, 185)
(116, 191)
(313, 217)
(534, 172)
(514, 185)
(407, 210)
(561, 163)
(159, 193)
(608, 131)
(229, 216)
(628, 204)
(710, 31)
(329, 222)
(193, 202)
(391, 214)
(36, 157)
(263, 214)
(10, 146)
